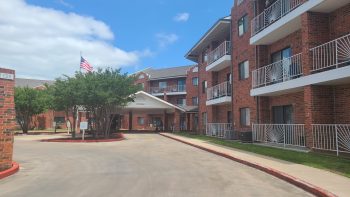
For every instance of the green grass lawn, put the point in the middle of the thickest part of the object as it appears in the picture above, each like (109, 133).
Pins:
(331, 163)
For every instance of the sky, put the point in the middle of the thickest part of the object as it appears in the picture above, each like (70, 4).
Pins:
(43, 39)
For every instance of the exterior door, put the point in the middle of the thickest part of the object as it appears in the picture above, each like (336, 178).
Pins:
(282, 114)
(181, 85)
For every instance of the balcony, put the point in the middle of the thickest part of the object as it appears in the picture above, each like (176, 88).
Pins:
(220, 57)
(331, 137)
(331, 55)
(220, 130)
(278, 72)
(219, 94)
(284, 17)
(169, 90)
(283, 135)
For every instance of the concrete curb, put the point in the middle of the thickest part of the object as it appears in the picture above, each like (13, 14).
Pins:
(120, 137)
(281, 175)
(11, 171)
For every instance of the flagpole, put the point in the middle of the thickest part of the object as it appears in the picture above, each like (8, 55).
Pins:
(80, 62)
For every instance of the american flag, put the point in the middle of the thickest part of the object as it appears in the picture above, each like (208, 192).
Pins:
(85, 65)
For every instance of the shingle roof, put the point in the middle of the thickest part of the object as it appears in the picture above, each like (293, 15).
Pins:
(31, 83)
(172, 72)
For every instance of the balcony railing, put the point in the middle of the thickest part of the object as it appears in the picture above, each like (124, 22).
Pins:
(281, 134)
(333, 54)
(284, 70)
(168, 89)
(219, 130)
(273, 13)
(219, 52)
(331, 137)
(218, 91)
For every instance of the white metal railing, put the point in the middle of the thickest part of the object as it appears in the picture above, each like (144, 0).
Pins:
(333, 54)
(284, 70)
(222, 50)
(220, 130)
(220, 90)
(273, 13)
(331, 137)
(283, 134)
(167, 89)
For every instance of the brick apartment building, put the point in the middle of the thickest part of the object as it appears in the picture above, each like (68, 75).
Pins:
(289, 61)
(7, 117)
(175, 85)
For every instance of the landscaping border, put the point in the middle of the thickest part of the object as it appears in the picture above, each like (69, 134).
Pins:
(119, 137)
(10, 171)
(281, 175)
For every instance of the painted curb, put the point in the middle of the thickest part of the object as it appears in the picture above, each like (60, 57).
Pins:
(11, 171)
(68, 140)
(281, 175)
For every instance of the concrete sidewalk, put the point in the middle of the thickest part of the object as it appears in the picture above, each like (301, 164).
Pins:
(336, 184)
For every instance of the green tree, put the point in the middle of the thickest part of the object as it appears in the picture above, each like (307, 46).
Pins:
(67, 96)
(101, 94)
(29, 102)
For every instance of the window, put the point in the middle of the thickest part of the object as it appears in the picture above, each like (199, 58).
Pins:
(280, 55)
(140, 120)
(162, 84)
(243, 25)
(243, 70)
(245, 116)
(59, 120)
(229, 117)
(282, 114)
(204, 119)
(195, 81)
(195, 101)
(181, 84)
(204, 86)
(181, 101)
(142, 85)
(205, 56)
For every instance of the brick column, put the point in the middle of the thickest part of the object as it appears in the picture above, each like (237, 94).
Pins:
(315, 31)
(7, 118)
(177, 115)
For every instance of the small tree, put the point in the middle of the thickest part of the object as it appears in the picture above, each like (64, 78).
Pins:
(66, 96)
(29, 102)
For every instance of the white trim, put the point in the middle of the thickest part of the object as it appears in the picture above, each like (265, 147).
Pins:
(324, 78)
(219, 64)
(170, 93)
(160, 100)
(219, 101)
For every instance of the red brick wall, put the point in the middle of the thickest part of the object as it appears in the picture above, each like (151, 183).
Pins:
(342, 104)
(144, 80)
(7, 120)
(337, 22)
(294, 99)
(192, 91)
(242, 51)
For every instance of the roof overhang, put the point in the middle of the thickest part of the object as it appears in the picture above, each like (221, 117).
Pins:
(147, 103)
(220, 29)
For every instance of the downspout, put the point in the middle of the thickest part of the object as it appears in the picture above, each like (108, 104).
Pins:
(256, 67)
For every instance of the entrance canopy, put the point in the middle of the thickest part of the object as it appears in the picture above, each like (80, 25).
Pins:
(146, 103)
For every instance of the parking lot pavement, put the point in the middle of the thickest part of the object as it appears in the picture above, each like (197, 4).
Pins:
(141, 165)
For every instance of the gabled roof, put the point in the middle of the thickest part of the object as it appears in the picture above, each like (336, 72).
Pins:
(147, 102)
(32, 83)
(222, 26)
(164, 73)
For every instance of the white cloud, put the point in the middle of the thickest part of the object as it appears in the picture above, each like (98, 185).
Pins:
(166, 39)
(182, 17)
(65, 4)
(45, 43)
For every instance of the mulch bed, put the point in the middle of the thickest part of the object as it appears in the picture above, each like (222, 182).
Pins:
(114, 138)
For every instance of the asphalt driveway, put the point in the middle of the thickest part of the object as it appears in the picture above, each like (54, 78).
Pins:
(142, 165)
